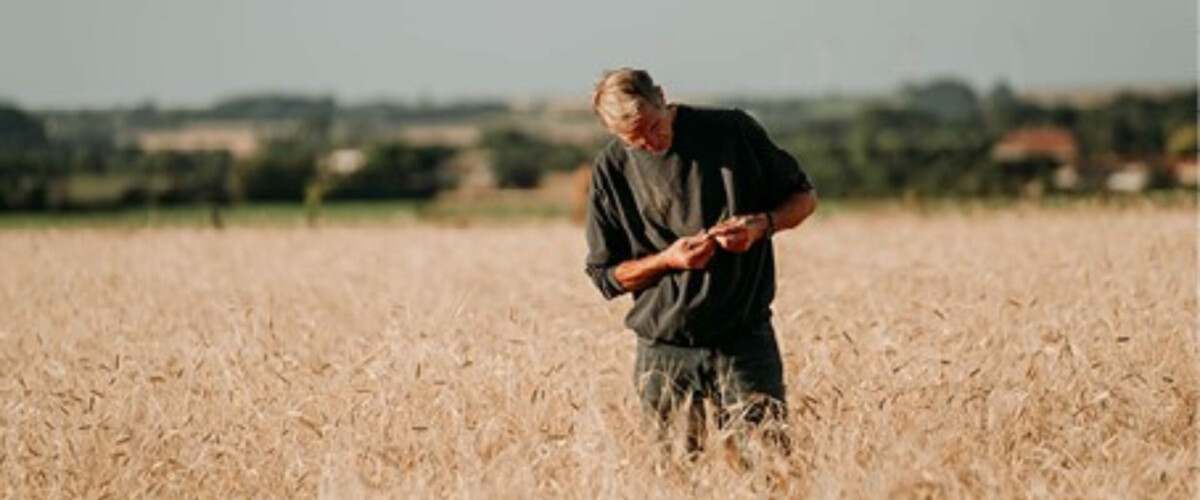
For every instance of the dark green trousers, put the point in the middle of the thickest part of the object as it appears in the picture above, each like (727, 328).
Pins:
(741, 377)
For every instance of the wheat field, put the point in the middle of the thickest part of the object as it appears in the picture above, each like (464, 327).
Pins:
(1016, 353)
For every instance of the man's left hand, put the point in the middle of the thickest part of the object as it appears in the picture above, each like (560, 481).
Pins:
(740, 233)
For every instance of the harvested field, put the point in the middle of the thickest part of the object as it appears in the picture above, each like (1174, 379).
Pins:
(1020, 353)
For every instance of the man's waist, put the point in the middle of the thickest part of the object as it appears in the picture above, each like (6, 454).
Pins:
(708, 331)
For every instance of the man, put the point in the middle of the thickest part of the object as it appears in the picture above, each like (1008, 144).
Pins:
(681, 212)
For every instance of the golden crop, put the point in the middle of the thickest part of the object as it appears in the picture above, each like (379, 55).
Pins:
(1019, 353)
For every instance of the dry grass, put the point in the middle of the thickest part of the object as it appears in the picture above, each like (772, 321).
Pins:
(1023, 353)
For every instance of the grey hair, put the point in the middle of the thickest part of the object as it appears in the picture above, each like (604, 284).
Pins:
(620, 94)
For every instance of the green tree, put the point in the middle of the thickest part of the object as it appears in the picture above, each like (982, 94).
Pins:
(20, 131)
(280, 172)
(520, 158)
(1182, 141)
(947, 100)
(25, 159)
(1002, 109)
(396, 170)
(883, 151)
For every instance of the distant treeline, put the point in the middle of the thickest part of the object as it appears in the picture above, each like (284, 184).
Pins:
(89, 159)
(937, 139)
(284, 170)
(931, 139)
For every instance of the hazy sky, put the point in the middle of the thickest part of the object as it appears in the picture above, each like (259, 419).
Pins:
(56, 53)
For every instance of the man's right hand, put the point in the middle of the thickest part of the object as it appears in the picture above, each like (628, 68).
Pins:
(690, 252)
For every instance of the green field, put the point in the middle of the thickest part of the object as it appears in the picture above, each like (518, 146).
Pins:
(283, 214)
(504, 209)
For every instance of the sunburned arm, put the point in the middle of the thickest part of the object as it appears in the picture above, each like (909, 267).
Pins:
(638, 274)
(794, 210)
(740, 233)
(692, 252)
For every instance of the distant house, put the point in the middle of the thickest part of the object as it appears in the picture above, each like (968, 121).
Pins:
(1184, 172)
(1032, 143)
(240, 141)
(1032, 156)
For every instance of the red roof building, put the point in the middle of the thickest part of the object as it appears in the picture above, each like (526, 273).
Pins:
(1024, 144)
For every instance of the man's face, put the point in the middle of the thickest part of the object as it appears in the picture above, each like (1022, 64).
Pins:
(650, 130)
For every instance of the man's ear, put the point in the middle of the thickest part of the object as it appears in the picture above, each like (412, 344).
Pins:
(662, 100)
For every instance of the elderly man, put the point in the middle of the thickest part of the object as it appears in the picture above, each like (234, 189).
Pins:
(681, 212)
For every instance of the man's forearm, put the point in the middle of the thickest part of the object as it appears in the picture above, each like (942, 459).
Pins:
(794, 210)
(638, 274)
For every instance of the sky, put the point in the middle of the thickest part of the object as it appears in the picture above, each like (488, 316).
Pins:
(86, 53)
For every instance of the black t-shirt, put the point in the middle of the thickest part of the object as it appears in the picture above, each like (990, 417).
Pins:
(721, 163)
